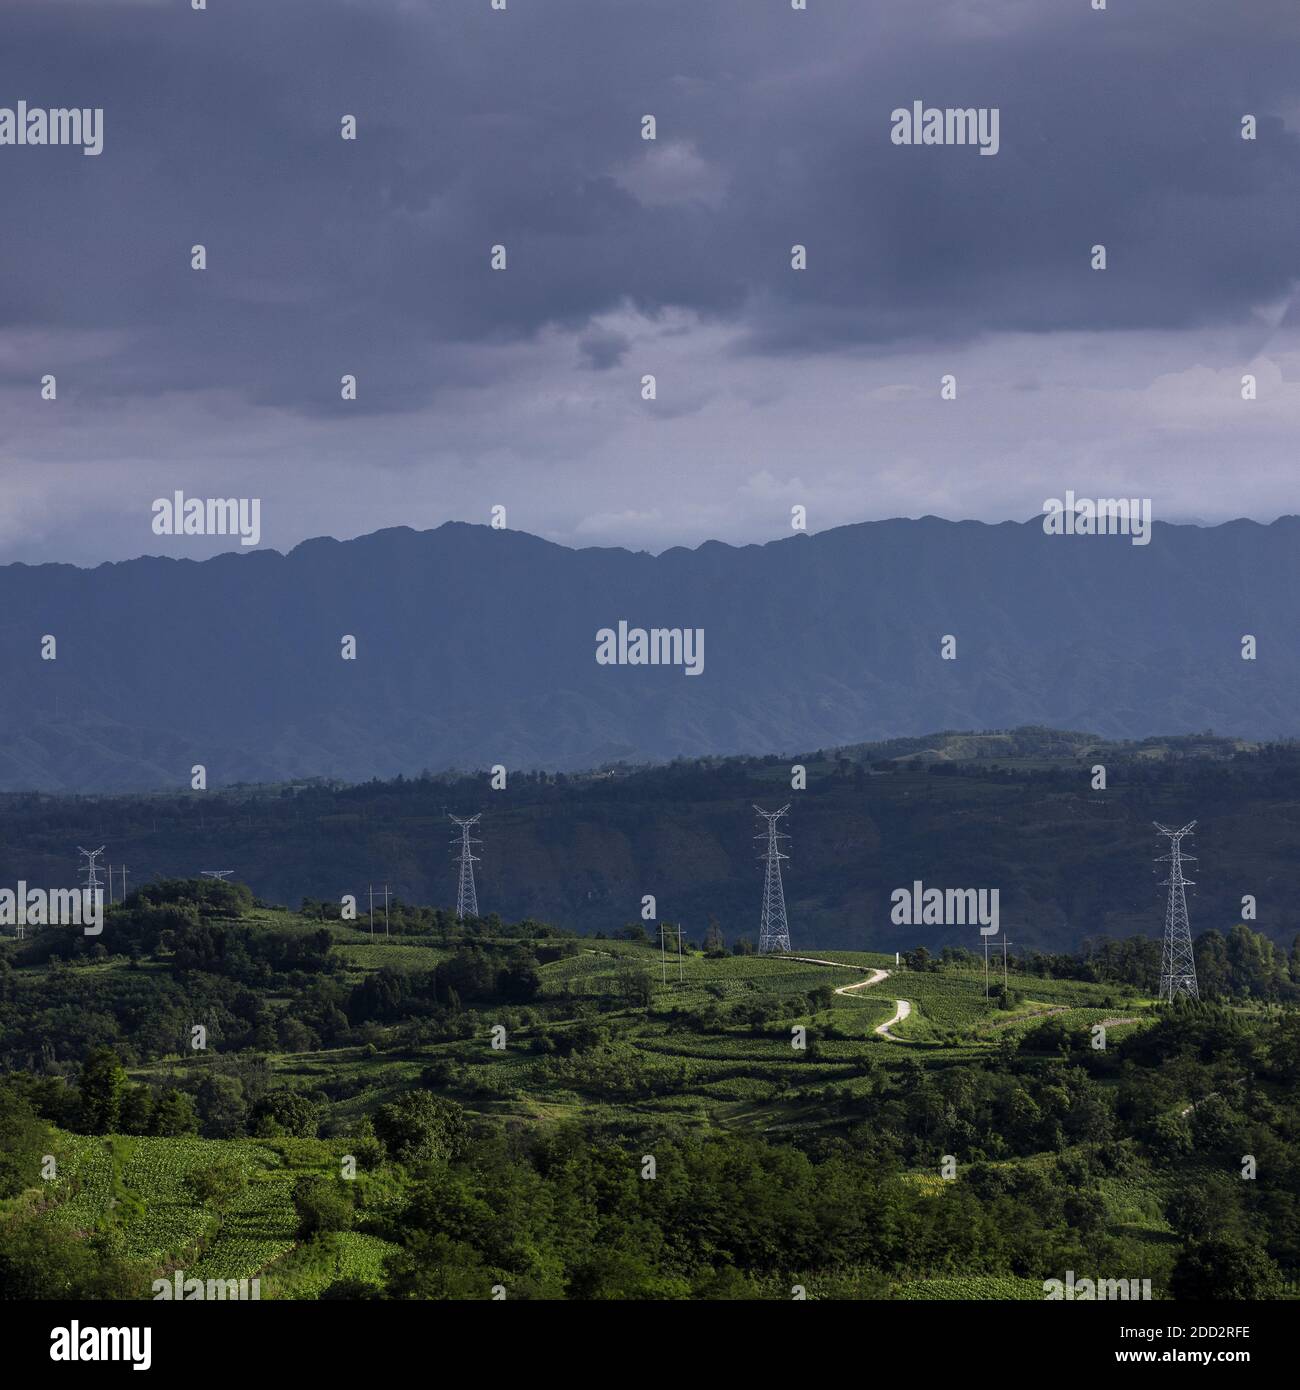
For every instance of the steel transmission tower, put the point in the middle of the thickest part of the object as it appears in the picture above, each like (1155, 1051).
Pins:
(1177, 963)
(91, 869)
(466, 897)
(774, 930)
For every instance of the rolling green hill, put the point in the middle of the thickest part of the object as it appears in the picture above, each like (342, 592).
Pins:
(466, 1107)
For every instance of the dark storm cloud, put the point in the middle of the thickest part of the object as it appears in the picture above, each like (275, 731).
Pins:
(478, 127)
(603, 350)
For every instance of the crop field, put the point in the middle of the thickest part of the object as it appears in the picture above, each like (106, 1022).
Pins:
(596, 973)
(257, 1230)
(1023, 1290)
(661, 1058)
(83, 1187)
(360, 957)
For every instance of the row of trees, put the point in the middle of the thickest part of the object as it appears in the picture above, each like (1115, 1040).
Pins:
(1243, 964)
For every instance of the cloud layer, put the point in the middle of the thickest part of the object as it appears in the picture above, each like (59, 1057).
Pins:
(523, 128)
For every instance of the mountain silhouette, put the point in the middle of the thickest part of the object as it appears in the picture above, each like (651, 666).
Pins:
(477, 647)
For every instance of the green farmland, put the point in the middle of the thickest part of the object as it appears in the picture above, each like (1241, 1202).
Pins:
(243, 1092)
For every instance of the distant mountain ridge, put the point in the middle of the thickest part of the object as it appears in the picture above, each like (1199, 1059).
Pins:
(477, 647)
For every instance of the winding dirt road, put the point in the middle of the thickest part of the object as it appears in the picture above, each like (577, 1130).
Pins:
(904, 1008)
(874, 977)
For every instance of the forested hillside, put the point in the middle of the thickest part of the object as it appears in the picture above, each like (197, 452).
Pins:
(1015, 811)
(466, 1107)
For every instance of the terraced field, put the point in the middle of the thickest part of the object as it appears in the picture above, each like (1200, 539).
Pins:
(662, 1059)
(642, 1042)
(361, 957)
(257, 1230)
(1021, 1290)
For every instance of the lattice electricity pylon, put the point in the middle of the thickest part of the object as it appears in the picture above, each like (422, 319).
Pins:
(1177, 960)
(91, 869)
(773, 930)
(466, 897)
(221, 875)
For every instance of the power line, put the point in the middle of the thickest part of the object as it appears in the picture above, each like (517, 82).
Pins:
(1005, 944)
(371, 889)
(663, 958)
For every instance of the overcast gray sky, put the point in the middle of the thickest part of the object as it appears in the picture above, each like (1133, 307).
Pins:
(627, 257)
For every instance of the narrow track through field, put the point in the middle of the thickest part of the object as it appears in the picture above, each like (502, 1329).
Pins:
(875, 976)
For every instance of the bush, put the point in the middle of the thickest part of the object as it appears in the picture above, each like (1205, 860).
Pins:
(322, 1204)
(421, 1128)
(24, 1139)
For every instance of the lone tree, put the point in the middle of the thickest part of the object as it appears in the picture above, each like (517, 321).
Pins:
(322, 1204)
(103, 1086)
(420, 1128)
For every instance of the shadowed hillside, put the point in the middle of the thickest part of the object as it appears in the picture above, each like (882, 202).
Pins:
(477, 647)
(1015, 812)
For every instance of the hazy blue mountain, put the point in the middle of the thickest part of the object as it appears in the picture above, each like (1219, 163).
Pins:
(479, 646)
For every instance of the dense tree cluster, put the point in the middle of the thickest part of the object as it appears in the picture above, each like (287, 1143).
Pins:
(196, 957)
